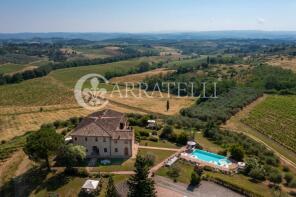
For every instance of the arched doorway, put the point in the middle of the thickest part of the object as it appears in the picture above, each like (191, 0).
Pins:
(126, 151)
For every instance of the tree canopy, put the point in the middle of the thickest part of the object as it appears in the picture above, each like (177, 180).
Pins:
(140, 184)
(43, 144)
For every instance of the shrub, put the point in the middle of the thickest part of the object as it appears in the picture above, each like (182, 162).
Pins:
(182, 138)
(167, 131)
(292, 183)
(237, 153)
(173, 137)
(144, 133)
(150, 159)
(153, 139)
(288, 177)
(64, 132)
(257, 174)
(195, 179)
(57, 124)
(83, 173)
(223, 152)
(275, 177)
(286, 169)
(174, 172)
(71, 171)
(208, 168)
(74, 120)
(154, 133)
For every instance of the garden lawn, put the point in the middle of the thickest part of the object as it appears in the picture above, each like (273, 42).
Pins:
(160, 143)
(128, 165)
(185, 171)
(160, 155)
(69, 186)
(207, 144)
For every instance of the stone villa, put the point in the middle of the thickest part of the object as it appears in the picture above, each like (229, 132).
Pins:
(105, 134)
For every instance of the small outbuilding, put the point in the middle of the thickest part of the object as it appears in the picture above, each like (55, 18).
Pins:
(241, 165)
(90, 185)
(191, 145)
(151, 124)
(68, 139)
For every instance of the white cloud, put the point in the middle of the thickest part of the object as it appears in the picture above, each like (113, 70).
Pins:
(260, 21)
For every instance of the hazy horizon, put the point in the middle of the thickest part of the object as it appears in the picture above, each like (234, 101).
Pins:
(154, 32)
(145, 16)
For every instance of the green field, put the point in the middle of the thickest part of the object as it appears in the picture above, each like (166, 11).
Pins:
(9, 68)
(176, 64)
(98, 52)
(69, 76)
(35, 92)
(275, 117)
(56, 88)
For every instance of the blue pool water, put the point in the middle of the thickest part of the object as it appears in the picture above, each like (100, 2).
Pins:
(210, 157)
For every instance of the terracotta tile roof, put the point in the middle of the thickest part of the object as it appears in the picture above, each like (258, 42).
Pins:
(103, 124)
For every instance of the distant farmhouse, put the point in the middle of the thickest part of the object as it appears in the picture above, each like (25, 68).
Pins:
(105, 134)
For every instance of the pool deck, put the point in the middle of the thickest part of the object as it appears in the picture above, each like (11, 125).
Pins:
(232, 168)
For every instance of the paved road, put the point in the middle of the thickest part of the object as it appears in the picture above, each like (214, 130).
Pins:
(167, 188)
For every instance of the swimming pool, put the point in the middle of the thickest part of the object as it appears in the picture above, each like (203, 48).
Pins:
(210, 157)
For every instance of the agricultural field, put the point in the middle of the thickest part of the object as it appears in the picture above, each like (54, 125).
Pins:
(153, 101)
(35, 92)
(237, 124)
(15, 121)
(275, 117)
(183, 62)
(135, 78)
(283, 62)
(69, 76)
(27, 105)
(10, 68)
(92, 53)
(168, 51)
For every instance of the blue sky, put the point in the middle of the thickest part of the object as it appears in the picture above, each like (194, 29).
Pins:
(146, 15)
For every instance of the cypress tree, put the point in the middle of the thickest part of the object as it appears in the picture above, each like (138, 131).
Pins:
(140, 184)
(111, 190)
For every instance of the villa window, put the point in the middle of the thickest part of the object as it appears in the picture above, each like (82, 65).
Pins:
(121, 125)
(104, 139)
(105, 150)
(86, 139)
(75, 138)
(96, 139)
(116, 150)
